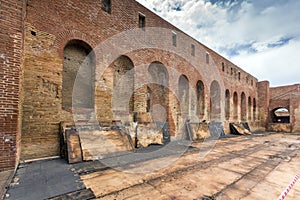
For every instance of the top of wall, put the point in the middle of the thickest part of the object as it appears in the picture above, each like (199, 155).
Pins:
(217, 57)
(285, 92)
(88, 17)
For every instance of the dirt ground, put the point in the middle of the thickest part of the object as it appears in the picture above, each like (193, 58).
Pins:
(244, 167)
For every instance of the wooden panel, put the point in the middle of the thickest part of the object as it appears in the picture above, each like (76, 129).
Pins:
(74, 147)
(97, 144)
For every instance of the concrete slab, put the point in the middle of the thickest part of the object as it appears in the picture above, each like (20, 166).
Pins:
(5, 179)
(42, 180)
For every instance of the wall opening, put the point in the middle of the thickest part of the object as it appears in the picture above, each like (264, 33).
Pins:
(183, 95)
(142, 21)
(200, 98)
(78, 70)
(227, 104)
(123, 86)
(207, 58)
(192, 49)
(249, 109)
(254, 109)
(280, 115)
(106, 6)
(174, 39)
(149, 96)
(159, 93)
(215, 101)
(235, 106)
(243, 107)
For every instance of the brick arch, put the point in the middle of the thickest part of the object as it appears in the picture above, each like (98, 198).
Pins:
(243, 107)
(78, 75)
(279, 119)
(65, 37)
(123, 85)
(215, 101)
(274, 104)
(184, 94)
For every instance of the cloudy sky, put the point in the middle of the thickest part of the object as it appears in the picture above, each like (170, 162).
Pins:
(260, 36)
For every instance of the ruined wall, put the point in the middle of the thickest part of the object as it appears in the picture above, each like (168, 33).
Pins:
(237, 81)
(48, 31)
(287, 97)
(295, 113)
(284, 92)
(11, 44)
(263, 102)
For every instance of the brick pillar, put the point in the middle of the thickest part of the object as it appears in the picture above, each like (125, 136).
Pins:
(263, 90)
(12, 13)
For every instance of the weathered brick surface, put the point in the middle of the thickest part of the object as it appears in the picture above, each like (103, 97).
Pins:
(11, 44)
(263, 102)
(287, 97)
(48, 75)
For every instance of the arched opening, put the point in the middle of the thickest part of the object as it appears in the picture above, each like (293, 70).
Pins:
(227, 104)
(254, 109)
(123, 87)
(183, 94)
(200, 98)
(78, 75)
(158, 92)
(149, 95)
(249, 108)
(235, 106)
(280, 115)
(243, 107)
(215, 101)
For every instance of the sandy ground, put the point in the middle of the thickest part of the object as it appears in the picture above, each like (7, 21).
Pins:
(245, 167)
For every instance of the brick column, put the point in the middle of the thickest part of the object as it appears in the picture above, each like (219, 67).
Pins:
(12, 15)
(263, 90)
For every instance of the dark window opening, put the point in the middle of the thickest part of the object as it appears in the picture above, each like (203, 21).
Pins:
(254, 109)
(223, 67)
(193, 49)
(235, 106)
(227, 104)
(33, 33)
(200, 99)
(249, 108)
(280, 115)
(239, 76)
(106, 6)
(148, 100)
(142, 21)
(174, 39)
(207, 58)
(243, 107)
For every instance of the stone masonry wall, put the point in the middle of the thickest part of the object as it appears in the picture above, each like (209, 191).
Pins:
(48, 31)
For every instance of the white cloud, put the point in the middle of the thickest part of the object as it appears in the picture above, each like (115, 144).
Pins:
(262, 32)
(279, 66)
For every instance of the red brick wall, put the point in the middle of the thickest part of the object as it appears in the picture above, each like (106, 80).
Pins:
(287, 97)
(263, 102)
(47, 31)
(11, 44)
(284, 92)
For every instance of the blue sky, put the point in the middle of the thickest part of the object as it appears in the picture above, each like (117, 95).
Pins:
(260, 36)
